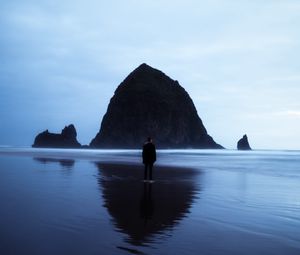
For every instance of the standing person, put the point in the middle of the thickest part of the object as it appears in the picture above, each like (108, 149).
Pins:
(149, 157)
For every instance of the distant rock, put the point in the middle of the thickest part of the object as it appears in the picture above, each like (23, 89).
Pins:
(66, 139)
(149, 103)
(243, 143)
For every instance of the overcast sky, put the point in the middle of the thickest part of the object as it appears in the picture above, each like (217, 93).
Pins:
(239, 60)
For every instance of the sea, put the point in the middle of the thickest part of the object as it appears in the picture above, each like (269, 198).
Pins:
(92, 202)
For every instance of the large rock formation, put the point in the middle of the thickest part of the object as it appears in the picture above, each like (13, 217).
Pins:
(66, 139)
(243, 143)
(149, 103)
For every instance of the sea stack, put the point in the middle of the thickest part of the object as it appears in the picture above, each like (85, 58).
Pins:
(243, 144)
(66, 139)
(149, 103)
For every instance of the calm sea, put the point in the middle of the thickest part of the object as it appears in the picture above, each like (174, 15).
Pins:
(92, 202)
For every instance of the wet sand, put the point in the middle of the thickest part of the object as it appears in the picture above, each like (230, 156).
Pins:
(202, 202)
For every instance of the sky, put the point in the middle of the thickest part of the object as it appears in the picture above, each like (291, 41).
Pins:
(61, 62)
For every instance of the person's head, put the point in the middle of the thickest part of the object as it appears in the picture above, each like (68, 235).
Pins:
(149, 139)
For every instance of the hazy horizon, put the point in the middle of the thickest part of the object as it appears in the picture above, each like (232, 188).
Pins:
(62, 61)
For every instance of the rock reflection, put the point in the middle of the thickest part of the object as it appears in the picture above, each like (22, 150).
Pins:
(64, 163)
(146, 204)
(146, 212)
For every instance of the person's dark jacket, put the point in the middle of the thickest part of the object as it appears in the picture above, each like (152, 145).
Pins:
(149, 153)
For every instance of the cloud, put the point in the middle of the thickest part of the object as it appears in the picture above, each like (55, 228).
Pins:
(235, 58)
(289, 113)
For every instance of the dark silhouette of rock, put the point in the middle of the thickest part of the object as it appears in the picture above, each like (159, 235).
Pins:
(65, 163)
(141, 211)
(148, 103)
(66, 139)
(243, 143)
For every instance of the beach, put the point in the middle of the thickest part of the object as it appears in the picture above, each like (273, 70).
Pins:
(61, 201)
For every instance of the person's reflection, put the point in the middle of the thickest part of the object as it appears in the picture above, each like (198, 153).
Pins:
(64, 163)
(147, 205)
(146, 212)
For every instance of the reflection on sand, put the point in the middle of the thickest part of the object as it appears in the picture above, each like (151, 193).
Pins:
(146, 212)
(65, 163)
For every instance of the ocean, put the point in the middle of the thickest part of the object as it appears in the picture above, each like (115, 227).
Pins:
(61, 201)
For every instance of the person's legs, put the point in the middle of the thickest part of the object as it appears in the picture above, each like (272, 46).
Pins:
(145, 172)
(150, 171)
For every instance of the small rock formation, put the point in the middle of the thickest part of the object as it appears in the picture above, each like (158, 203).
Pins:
(243, 143)
(149, 103)
(66, 139)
